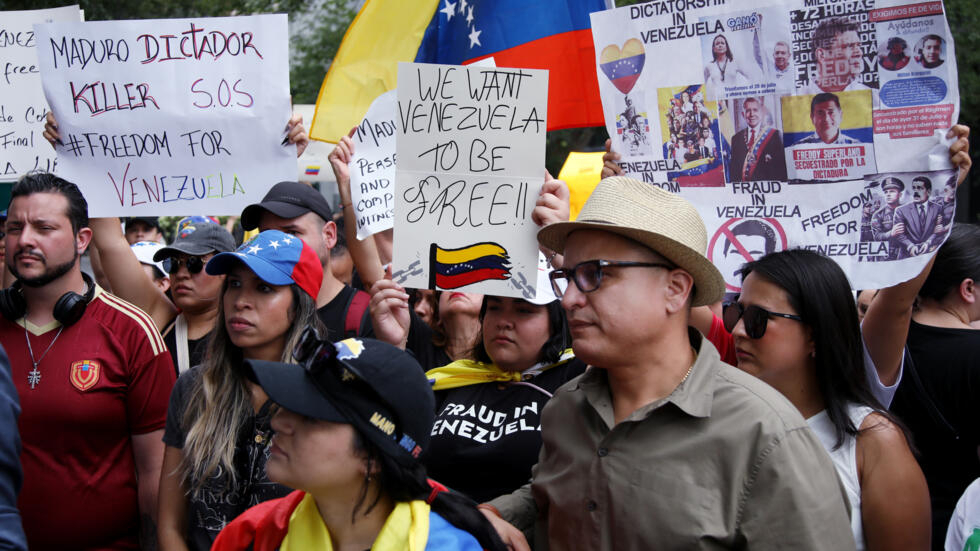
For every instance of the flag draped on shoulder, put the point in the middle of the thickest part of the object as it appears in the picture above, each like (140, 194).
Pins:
(541, 34)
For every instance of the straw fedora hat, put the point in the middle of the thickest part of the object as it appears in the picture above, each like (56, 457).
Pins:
(664, 222)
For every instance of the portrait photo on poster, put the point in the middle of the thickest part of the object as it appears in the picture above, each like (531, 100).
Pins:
(835, 53)
(907, 214)
(828, 136)
(750, 55)
(690, 136)
(756, 142)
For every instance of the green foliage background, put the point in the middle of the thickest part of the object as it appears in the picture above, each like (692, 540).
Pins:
(318, 26)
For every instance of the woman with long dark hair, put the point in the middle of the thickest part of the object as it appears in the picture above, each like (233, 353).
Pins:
(217, 432)
(352, 423)
(795, 327)
(722, 70)
(488, 409)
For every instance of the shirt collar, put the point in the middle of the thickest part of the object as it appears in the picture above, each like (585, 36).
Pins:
(693, 396)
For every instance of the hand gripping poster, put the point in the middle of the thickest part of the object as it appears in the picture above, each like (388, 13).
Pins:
(169, 116)
(790, 123)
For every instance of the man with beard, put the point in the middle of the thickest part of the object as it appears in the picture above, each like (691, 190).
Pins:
(93, 376)
(300, 210)
(920, 218)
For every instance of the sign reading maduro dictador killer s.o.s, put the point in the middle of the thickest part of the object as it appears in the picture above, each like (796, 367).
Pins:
(173, 116)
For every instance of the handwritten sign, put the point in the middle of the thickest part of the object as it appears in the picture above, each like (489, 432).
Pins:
(795, 124)
(470, 158)
(22, 105)
(175, 116)
(372, 168)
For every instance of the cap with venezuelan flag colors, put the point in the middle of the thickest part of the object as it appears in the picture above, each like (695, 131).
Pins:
(276, 258)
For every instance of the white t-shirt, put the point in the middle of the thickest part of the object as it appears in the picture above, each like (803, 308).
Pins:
(845, 461)
(964, 528)
(884, 394)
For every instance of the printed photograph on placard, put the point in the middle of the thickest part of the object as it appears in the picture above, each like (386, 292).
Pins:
(907, 213)
(751, 55)
(755, 139)
(689, 130)
(828, 136)
(912, 62)
(623, 66)
(835, 53)
(633, 125)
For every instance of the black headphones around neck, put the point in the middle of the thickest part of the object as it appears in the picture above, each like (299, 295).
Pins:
(68, 310)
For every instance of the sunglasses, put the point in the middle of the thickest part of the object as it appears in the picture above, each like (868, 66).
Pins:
(332, 377)
(754, 318)
(194, 264)
(588, 275)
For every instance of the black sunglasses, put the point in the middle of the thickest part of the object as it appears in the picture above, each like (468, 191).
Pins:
(194, 264)
(753, 317)
(319, 357)
(588, 275)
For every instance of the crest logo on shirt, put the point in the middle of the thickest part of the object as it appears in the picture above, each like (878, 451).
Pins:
(84, 374)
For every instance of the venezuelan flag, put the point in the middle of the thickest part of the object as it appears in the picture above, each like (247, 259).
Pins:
(541, 34)
(454, 268)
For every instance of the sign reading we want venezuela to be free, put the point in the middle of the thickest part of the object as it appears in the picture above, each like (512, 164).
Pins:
(170, 117)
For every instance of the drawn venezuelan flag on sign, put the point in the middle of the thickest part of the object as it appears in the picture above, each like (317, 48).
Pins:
(454, 268)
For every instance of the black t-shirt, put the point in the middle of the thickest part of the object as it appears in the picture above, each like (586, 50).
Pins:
(945, 360)
(487, 436)
(195, 348)
(334, 316)
(217, 504)
(420, 344)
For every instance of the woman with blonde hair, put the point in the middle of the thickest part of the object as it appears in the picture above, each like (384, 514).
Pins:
(218, 430)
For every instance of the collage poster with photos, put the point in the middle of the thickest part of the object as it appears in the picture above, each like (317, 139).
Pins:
(790, 123)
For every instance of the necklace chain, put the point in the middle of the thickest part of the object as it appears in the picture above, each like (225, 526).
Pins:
(688, 374)
(34, 376)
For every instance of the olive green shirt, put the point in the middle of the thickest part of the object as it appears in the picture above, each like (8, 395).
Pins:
(724, 462)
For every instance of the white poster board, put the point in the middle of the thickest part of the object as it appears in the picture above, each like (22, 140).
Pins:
(790, 123)
(372, 167)
(173, 116)
(22, 105)
(470, 166)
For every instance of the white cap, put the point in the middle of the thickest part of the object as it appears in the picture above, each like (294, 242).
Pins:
(144, 251)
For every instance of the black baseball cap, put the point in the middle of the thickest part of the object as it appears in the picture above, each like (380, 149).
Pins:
(152, 221)
(287, 200)
(377, 388)
(197, 239)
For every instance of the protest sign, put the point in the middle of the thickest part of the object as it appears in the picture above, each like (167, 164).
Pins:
(470, 148)
(372, 167)
(792, 123)
(173, 116)
(22, 105)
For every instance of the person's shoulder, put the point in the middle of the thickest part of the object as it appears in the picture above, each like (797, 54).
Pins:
(443, 535)
(879, 437)
(744, 395)
(123, 319)
(811, 139)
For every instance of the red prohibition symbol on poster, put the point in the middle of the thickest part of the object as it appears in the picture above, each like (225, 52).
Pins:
(741, 240)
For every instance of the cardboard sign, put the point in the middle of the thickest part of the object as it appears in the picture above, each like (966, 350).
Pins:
(22, 105)
(172, 116)
(470, 167)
